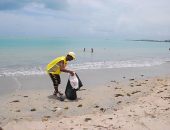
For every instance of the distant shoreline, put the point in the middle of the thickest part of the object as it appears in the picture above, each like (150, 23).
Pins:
(153, 40)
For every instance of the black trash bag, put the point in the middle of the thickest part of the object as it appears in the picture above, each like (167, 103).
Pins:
(70, 92)
(80, 83)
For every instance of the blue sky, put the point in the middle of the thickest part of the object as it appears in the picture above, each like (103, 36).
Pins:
(126, 19)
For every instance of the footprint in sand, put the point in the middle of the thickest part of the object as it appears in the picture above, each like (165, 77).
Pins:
(80, 105)
(160, 92)
(18, 110)
(15, 101)
(135, 92)
(138, 85)
(165, 98)
(87, 119)
(33, 109)
(45, 118)
(96, 106)
(131, 85)
(102, 109)
(119, 102)
(128, 94)
(119, 95)
(53, 110)
(131, 79)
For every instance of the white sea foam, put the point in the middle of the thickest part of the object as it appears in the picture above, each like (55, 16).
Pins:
(115, 64)
(83, 66)
(22, 71)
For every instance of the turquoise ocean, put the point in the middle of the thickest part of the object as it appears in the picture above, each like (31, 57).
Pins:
(29, 56)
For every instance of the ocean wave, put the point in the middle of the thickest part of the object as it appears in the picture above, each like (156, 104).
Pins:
(22, 71)
(116, 64)
(83, 66)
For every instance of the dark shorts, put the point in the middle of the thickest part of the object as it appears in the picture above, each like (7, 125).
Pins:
(55, 78)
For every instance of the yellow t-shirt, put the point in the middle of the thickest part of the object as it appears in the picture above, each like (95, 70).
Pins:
(53, 68)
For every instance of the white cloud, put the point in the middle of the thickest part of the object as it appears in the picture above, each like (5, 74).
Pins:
(113, 18)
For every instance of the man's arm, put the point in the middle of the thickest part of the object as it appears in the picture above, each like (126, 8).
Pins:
(63, 69)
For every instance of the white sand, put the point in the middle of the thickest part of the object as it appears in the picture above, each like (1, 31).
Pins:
(134, 105)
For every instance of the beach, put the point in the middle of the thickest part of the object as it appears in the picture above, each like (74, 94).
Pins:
(129, 98)
(125, 85)
(120, 50)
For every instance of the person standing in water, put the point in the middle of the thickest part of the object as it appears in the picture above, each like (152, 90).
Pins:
(91, 50)
(56, 66)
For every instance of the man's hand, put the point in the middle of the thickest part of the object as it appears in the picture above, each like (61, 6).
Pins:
(72, 73)
(67, 71)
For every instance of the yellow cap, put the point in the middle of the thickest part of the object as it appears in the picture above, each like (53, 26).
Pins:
(72, 54)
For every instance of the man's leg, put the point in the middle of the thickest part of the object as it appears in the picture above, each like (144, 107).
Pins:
(55, 89)
(56, 81)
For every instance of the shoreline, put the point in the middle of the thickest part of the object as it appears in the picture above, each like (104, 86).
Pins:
(89, 78)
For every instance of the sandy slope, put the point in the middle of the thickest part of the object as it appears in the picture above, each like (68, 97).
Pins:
(134, 105)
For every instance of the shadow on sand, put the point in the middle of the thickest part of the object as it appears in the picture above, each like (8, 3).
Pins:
(63, 98)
